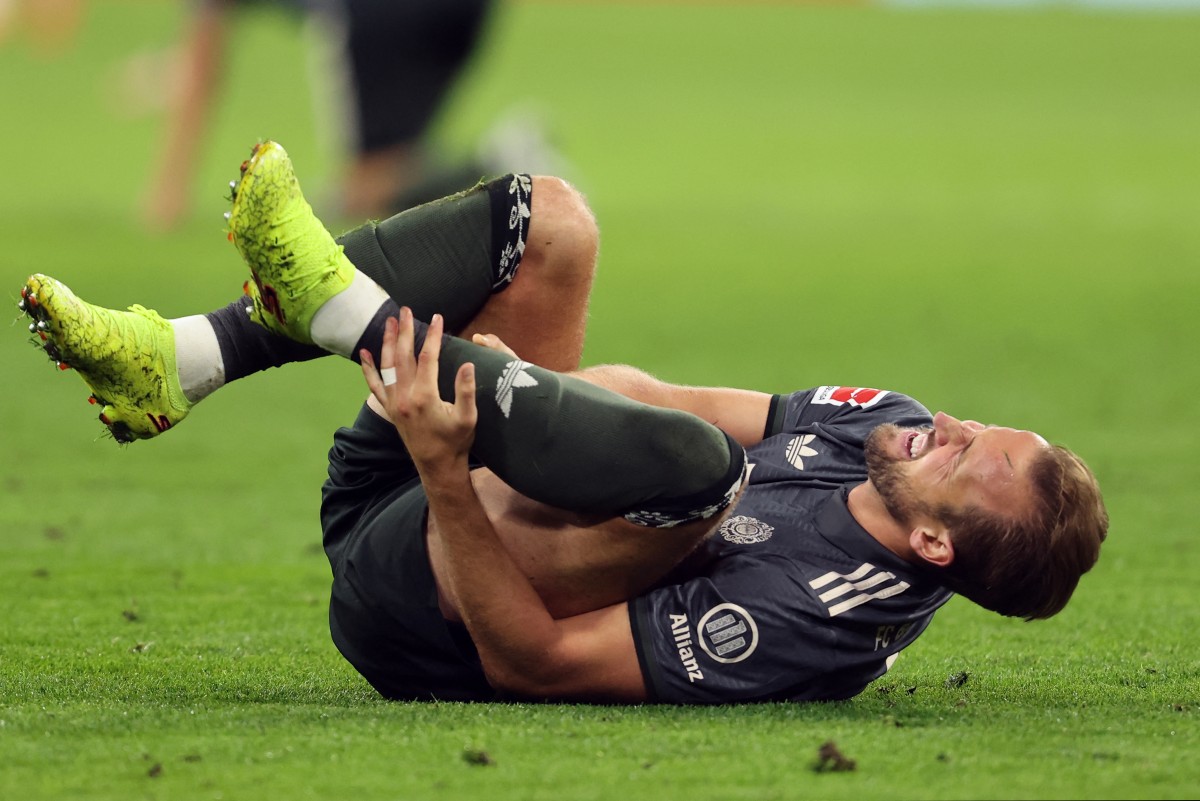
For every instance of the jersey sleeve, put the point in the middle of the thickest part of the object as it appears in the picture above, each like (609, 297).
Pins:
(843, 406)
(748, 633)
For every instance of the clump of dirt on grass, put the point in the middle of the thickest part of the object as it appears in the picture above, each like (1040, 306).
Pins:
(476, 757)
(831, 760)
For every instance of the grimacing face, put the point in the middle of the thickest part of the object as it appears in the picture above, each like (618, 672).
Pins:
(954, 464)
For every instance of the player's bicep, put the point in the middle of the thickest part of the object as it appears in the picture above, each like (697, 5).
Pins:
(740, 413)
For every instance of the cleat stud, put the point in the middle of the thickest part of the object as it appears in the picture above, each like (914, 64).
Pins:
(42, 334)
(42, 325)
(62, 365)
(32, 300)
(246, 165)
(104, 419)
(33, 327)
(21, 304)
(227, 215)
(92, 400)
(24, 292)
(230, 237)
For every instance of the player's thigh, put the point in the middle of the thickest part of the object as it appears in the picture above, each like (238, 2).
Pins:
(598, 566)
(576, 563)
(542, 314)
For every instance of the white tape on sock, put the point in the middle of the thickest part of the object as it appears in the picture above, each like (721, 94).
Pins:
(339, 324)
(198, 357)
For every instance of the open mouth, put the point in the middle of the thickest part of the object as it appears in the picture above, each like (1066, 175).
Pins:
(915, 443)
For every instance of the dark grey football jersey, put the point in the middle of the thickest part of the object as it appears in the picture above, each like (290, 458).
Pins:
(794, 600)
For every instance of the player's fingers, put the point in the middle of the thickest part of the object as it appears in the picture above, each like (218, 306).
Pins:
(465, 411)
(493, 342)
(427, 364)
(402, 339)
(374, 381)
(388, 356)
(387, 349)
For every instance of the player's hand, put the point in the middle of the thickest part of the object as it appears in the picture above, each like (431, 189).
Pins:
(438, 435)
(493, 342)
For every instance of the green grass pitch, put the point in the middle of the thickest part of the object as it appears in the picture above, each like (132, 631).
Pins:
(998, 213)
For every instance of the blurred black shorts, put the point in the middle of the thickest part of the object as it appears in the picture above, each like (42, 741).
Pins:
(402, 58)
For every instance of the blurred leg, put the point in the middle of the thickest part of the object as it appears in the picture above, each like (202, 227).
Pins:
(402, 61)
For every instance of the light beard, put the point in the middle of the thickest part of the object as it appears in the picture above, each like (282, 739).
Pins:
(889, 477)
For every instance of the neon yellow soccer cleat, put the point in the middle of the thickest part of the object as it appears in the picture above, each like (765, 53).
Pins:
(126, 357)
(294, 261)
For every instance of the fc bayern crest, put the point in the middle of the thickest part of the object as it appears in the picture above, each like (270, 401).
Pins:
(746, 530)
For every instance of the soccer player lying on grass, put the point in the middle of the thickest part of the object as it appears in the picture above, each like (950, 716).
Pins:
(504, 526)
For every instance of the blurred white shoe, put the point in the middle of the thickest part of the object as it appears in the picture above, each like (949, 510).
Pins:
(520, 141)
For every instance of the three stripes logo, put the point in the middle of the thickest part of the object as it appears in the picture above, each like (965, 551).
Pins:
(161, 423)
(846, 591)
(514, 376)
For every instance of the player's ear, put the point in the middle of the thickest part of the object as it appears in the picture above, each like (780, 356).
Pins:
(932, 543)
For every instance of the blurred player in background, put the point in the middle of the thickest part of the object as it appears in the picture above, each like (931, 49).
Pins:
(394, 64)
(387, 67)
(51, 24)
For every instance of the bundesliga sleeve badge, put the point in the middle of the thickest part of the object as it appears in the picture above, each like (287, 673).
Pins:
(862, 397)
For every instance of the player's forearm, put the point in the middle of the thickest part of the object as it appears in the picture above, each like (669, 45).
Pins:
(514, 633)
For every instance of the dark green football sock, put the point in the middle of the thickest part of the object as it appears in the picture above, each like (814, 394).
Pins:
(448, 256)
(568, 443)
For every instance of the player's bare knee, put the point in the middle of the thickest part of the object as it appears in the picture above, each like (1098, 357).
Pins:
(563, 237)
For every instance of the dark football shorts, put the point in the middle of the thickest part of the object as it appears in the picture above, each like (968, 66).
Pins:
(383, 607)
(403, 58)
(400, 58)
